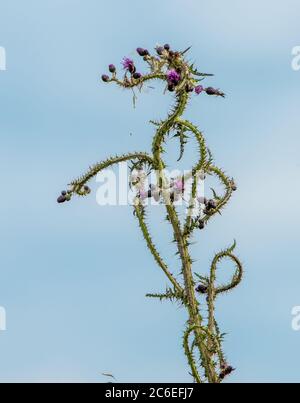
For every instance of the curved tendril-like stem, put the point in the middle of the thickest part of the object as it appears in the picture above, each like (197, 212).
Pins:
(152, 248)
(182, 78)
(77, 184)
(196, 169)
(213, 291)
(189, 353)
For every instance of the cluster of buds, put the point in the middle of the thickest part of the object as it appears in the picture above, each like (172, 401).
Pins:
(209, 205)
(64, 196)
(225, 370)
(168, 62)
(174, 191)
(112, 69)
(209, 91)
(128, 66)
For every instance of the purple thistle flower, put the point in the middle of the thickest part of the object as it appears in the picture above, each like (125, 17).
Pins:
(173, 77)
(128, 64)
(198, 89)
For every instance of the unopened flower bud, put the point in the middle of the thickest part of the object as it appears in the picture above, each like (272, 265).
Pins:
(105, 78)
(202, 289)
(160, 50)
(167, 46)
(201, 224)
(214, 91)
(141, 51)
(137, 75)
(210, 91)
(226, 371)
(198, 89)
(211, 204)
(61, 199)
(112, 68)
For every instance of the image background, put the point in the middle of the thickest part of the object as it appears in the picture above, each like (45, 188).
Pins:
(73, 277)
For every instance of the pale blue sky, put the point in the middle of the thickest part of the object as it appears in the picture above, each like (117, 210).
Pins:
(73, 277)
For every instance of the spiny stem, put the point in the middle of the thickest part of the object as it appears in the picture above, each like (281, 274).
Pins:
(181, 78)
(153, 250)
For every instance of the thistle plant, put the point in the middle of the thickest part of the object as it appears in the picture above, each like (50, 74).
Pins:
(202, 339)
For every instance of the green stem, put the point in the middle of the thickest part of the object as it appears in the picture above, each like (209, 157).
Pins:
(153, 250)
(192, 304)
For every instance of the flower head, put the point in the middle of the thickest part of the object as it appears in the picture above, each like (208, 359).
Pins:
(128, 64)
(198, 89)
(173, 77)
